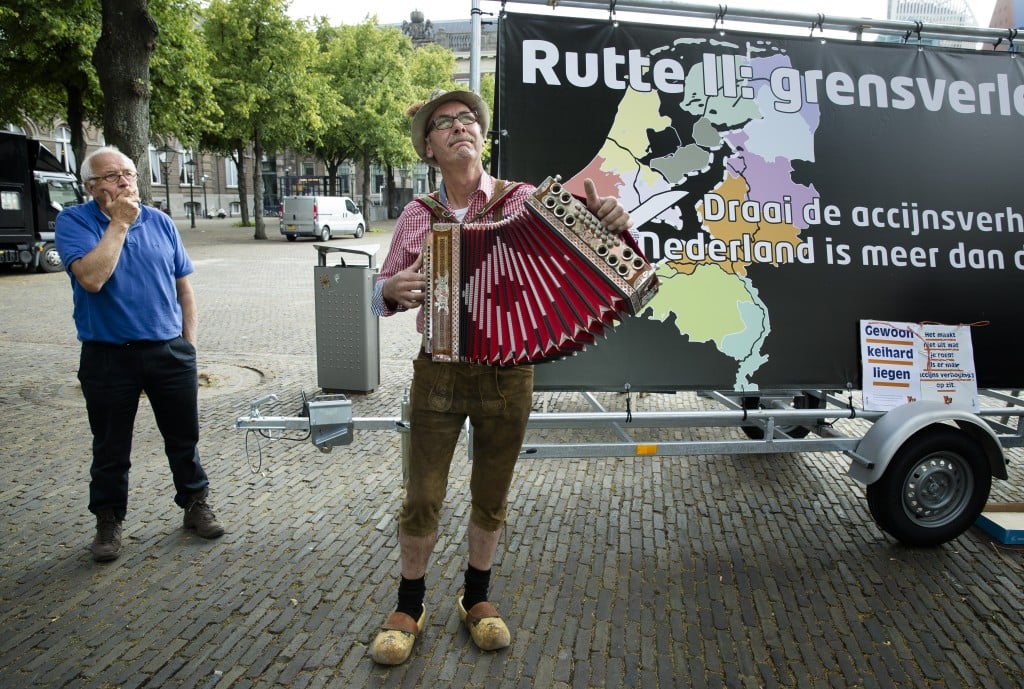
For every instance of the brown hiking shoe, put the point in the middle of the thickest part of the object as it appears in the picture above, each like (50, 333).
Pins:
(199, 516)
(106, 546)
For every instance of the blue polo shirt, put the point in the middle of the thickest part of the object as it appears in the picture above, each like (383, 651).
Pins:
(140, 300)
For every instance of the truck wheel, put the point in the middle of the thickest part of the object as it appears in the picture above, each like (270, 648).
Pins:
(325, 234)
(360, 230)
(50, 261)
(933, 489)
(801, 401)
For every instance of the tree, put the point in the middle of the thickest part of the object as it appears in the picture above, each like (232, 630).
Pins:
(183, 104)
(127, 41)
(45, 69)
(487, 93)
(264, 83)
(428, 62)
(366, 70)
(331, 144)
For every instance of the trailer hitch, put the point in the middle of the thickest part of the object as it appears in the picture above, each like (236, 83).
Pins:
(326, 418)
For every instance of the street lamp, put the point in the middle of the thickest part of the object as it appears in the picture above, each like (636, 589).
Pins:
(191, 165)
(166, 158)
(206, 209)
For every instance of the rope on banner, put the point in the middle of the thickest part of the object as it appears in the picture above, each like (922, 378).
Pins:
(720, 16)
(918, 26)
(1011, 34)
(819, 25)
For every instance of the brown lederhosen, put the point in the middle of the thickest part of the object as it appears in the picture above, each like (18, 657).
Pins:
(497, 402)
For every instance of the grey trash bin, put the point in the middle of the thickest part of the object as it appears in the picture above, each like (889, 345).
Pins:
(347, 332)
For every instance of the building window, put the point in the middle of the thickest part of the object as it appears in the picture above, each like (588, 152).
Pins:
(187, 173)
(62, 141)
(230, 173)
(155, 175)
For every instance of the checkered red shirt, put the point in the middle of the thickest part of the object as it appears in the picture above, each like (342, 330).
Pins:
(415, 222)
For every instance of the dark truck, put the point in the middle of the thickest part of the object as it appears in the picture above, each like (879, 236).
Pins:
(34, 187)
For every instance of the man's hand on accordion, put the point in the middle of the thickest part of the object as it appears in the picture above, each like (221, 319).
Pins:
(406, 288)
(606, 208)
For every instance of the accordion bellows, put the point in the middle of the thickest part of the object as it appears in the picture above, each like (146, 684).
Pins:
(538, 285)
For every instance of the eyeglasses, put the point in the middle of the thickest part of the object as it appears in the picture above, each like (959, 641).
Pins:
(443, 122)
(113, 177)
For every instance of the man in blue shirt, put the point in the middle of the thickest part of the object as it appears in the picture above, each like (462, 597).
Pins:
(135, 313)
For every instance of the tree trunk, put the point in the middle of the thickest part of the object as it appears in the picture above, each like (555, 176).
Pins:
(242, 187)
(76, 122)
(257, 186)
(392, 201)
(366, 183)
(332, 176)
(121, 58)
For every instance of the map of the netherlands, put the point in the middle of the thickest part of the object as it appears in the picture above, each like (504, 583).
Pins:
(751, 213)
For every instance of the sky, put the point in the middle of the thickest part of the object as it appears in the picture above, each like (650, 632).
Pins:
(397, 11)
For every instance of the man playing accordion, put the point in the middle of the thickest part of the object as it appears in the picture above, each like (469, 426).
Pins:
(448, 132)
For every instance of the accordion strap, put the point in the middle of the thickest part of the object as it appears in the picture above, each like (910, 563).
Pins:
(502, 189)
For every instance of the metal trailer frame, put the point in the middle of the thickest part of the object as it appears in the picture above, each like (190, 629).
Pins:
(927, 467)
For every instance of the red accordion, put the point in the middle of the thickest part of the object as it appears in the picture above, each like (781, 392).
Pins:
(538, 285)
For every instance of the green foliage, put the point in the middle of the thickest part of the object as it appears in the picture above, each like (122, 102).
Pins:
(182, 102)
(487, 90)
(366, 70)
(431, 68)
(262, 78)
(487, 93)
(232, 74)
(45, 50)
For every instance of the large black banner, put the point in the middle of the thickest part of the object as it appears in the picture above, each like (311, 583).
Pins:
(785, 187)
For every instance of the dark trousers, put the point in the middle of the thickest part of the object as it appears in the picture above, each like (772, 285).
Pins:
(113, 377)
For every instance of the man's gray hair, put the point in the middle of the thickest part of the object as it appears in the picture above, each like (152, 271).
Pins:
(86, 169)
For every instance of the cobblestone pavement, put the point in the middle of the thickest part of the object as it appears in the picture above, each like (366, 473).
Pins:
(706, 571)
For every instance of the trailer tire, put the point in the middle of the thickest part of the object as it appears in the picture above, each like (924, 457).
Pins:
(801, 401)
(50, 261)
(933, 489)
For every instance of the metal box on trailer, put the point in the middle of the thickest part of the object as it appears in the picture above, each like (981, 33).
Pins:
(347, 332)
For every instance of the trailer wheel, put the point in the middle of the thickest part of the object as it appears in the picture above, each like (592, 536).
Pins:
(801, 401)
(933, 489)
(50, 261)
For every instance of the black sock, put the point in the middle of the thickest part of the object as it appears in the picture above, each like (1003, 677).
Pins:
(477, 583)
(410, 597)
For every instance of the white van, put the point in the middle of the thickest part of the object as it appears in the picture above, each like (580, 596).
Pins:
(321, 216)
